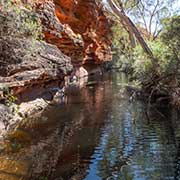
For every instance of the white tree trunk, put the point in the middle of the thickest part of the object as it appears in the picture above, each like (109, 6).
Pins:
(131, 26)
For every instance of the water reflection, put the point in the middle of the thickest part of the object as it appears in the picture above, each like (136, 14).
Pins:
(131, 146)
(96, 135)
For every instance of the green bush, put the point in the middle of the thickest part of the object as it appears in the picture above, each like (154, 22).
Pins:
(142, 64)
(19, 21)
(166, 51)
(122, 48)
(170, 35)
(165, 56)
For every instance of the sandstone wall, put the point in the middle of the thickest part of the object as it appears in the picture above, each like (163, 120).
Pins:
(85, 30)
(78, 29)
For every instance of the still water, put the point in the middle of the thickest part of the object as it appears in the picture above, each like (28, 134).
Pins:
(97, 133)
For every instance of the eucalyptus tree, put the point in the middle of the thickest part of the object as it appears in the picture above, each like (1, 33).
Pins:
(149, 13)
(118, 9)
(141, 15)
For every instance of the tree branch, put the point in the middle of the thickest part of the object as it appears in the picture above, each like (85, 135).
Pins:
(131, 26)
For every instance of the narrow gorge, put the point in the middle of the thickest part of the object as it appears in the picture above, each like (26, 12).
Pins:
(89, 90)
(75, 42)
(46, 47)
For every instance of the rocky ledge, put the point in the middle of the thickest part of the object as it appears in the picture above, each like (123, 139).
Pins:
(26, 63)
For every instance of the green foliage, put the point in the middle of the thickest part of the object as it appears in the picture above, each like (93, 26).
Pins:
(163, 54)
(149, 13)
(168, 51)
(165, 50)
(170, 35)
(19, 21)
(142, 64)
(122, 47)
(166, 58)
(9, 97)
(43, 178)
(120, 37)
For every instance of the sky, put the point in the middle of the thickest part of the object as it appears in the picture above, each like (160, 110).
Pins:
(176, 5)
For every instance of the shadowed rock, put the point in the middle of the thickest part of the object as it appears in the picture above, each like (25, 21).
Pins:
(27, 63)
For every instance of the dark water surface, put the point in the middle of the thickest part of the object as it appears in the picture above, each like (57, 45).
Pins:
(97, 134)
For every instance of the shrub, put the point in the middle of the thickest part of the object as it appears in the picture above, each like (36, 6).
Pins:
(122, 48)
(142, 64)
(167, 60)
(19, 21)
(170, 35)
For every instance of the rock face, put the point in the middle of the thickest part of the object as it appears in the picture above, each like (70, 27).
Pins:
(86, 18)
(27, 64)
(79, 34)
(84, 30)
(26, 61)
(76, 35)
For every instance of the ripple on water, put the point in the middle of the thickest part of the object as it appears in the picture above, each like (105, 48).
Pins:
(102, 136)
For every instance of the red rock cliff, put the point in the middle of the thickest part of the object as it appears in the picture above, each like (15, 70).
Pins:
(76, 32)
(85, 33)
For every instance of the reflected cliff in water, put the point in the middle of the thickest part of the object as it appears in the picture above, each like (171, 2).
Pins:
(95, 134)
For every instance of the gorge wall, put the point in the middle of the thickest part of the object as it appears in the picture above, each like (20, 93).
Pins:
(85, 31)
(44, 44)
(76, 34)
